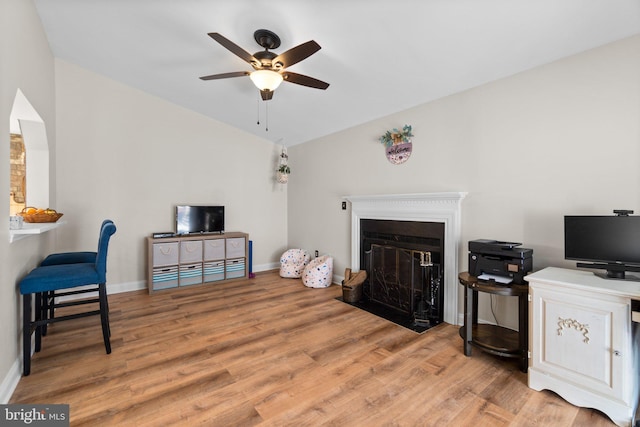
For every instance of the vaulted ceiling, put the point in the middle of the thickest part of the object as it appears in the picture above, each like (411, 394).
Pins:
(379, 56)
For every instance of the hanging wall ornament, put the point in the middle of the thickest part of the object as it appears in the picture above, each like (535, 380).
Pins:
(282, 174)
(398, 144)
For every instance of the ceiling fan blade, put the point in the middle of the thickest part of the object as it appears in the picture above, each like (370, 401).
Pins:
(233, 48)
(266, 94)
(297, 54)
(225, 75)
(303, 80)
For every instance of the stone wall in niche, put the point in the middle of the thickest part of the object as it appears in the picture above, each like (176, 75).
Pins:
(17, 161)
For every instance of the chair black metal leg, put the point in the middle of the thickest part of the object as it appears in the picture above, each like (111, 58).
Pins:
(44, 309)
(50, 301)
(39, 310)
(104, 316)
(26, 334)
(106, 302)
(106, 309)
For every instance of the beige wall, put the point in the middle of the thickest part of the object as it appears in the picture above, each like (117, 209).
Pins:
(559, 139)
(27, 64)
(131, 157)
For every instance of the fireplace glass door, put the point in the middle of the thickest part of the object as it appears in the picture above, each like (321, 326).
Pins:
(405, 280)
(391, 277)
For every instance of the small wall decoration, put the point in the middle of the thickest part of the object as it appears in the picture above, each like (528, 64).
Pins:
(282, 174)
(398, 144)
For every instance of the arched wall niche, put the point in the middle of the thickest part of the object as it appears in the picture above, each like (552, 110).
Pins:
(25, 121)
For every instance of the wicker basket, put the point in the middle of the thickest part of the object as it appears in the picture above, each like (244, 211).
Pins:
(40, 217)
(352, 293)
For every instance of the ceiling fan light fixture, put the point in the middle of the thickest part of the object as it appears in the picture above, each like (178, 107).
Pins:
(266, 79)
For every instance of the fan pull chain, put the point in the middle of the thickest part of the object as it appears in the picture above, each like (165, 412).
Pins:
(266, 107)
(258, 110)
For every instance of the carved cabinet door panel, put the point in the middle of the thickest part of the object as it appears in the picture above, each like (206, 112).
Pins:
(581, 338)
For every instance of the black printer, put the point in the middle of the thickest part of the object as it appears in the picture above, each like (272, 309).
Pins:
(506, 260)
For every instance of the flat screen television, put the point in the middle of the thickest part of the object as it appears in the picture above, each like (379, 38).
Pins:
(199, 219)
(610, 243)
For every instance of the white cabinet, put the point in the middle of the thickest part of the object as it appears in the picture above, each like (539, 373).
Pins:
(582, 340)
(193, 260)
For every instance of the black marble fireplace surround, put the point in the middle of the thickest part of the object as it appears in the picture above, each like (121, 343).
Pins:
(404, 261)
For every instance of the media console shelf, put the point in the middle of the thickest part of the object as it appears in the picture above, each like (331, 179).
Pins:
(180, 261)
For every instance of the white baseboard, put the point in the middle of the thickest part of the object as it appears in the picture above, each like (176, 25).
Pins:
(336, 280)
(266, 267)
(10, 381)
(119, 288)
(138, 285)
(480, 321)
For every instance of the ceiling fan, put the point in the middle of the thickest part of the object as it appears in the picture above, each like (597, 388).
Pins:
(270, 69)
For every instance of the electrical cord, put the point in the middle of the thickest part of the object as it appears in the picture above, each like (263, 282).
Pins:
(493, 310)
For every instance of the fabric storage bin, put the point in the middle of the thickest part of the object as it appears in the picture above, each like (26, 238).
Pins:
(190, 274)
(235, 247)
(165, 253)
(190, 251)
(234, 268)
(214, 249)
(165, 277)
(213, 271)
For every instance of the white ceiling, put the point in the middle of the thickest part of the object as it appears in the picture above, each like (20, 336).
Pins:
(380, 56)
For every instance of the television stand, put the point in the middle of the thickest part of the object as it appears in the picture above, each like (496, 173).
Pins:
(584, 341)
(185, 260)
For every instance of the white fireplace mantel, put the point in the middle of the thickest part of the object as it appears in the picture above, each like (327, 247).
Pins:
(425, 207)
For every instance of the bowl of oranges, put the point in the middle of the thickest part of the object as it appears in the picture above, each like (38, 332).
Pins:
(31, 214)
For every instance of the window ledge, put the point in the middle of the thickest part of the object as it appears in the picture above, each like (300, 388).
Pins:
(32, 229)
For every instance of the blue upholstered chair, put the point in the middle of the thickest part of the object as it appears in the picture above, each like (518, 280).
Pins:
(44, 280)
(48, 299)
(73, 257)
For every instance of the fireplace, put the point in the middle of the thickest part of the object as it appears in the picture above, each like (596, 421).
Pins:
(436, 210)
(403, 260)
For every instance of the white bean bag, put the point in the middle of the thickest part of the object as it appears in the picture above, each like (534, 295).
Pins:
(292, 263)
(318, 273)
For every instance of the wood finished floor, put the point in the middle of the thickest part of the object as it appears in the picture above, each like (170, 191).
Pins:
(268, 351)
